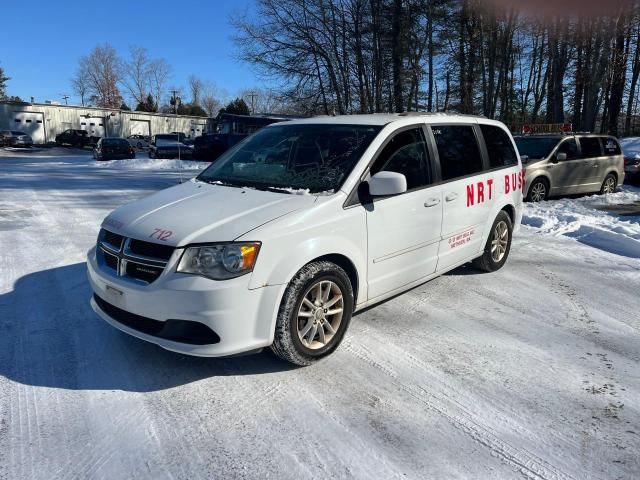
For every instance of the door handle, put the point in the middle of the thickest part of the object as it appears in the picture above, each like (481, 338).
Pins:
(432, 202)
(451, 197)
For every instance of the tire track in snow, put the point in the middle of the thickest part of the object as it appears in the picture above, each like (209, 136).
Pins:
(527, 463)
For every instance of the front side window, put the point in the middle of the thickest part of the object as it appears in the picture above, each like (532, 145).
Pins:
(406, 153)
(590, 147)
(570, 148)
(314, 157)
(499, 147)
(458, 150)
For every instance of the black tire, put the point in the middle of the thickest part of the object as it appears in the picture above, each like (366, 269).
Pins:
(537, 186)
(487, 262)
(287, 343)
(609, 184)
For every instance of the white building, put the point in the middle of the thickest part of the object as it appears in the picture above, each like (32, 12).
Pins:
(43, 121)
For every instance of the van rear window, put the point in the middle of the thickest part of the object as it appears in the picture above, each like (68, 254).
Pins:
(458, 150)
(499, 147)
(611, 146)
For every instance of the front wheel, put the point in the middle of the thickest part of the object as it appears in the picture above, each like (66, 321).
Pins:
(498, 244)
(314, 314)
(609, 185)
(538, 191)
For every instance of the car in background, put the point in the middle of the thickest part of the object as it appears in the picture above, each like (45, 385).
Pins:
(567, 164)
(113, 148)
(139, 141)
(631, 152)
(14, 138)
(168, 145)
(75, 138)
(230, 129)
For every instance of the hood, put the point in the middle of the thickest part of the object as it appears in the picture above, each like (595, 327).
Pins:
(197, 212)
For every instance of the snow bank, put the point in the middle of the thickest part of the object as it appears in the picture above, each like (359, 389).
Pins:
(592, 220)
(150, 164)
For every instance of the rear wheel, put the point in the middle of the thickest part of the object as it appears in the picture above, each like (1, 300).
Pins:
(314, 314)
(538, 191)
(498, 246)
(609, 185)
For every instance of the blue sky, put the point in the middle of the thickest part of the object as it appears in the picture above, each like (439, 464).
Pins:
(43, 40)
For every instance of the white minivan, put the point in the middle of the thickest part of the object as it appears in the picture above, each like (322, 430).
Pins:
(294, 229)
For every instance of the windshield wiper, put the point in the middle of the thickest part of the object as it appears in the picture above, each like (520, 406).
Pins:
(220, 182)
(269, 189)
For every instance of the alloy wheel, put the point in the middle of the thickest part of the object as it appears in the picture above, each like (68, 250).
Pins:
(499, 241)
(538, 192)
(320, 314)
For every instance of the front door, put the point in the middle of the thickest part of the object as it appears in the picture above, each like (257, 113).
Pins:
(403, 230)
(567, 176)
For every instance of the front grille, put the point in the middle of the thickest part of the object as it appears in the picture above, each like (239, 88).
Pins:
(132, 258)
(183, 331)
(147, 249)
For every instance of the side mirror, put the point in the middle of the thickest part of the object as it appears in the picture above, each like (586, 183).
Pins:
(524, 158)
(560, 157)
(387, 183)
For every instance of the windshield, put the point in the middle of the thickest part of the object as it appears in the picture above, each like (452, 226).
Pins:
(317, 157)
(160, 139)
(536, 147)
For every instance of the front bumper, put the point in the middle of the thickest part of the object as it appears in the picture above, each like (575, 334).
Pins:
(243, 319)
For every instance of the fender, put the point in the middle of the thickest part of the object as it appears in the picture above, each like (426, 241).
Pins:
(282, 253)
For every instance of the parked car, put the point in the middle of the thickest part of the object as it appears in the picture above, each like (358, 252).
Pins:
(183, 138)
(139, 141)
(167, 145)
(570, 164)
(76, 138)
(280, 241)
(631, 152)
(230, 129)
(113, 148)
(13, 138)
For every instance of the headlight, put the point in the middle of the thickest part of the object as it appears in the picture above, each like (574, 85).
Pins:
(220, 261)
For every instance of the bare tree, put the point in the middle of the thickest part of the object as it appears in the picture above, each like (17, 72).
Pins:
(212, 99)
(137, 75)
(102, 70)
(80, 83)
(196, 87)
(159, 74)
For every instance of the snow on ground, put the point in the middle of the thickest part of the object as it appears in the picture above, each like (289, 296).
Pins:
(530, 372)
(589, 220)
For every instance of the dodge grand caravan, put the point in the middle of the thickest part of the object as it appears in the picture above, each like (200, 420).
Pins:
(570, 164)
(303, 223)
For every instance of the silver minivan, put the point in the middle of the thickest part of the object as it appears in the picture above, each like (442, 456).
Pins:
(570, 164)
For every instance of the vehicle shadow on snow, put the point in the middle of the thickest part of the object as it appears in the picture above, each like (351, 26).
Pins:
(50, 337)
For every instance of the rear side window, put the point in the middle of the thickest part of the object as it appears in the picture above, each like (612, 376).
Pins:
(499, 147)
(611, 146)
(590, 147)
(406, 153)
(458, 150)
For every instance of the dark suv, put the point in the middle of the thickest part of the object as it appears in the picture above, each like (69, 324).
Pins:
(230, 129)
(570, 164)
(75, 138)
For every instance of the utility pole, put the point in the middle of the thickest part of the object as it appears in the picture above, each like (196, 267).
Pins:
(65, 98)
(253, 96)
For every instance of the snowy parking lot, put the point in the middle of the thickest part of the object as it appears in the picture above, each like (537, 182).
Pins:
(530, 372)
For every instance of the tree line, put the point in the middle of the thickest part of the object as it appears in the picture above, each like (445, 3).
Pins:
(103, 77)
(467, 56)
